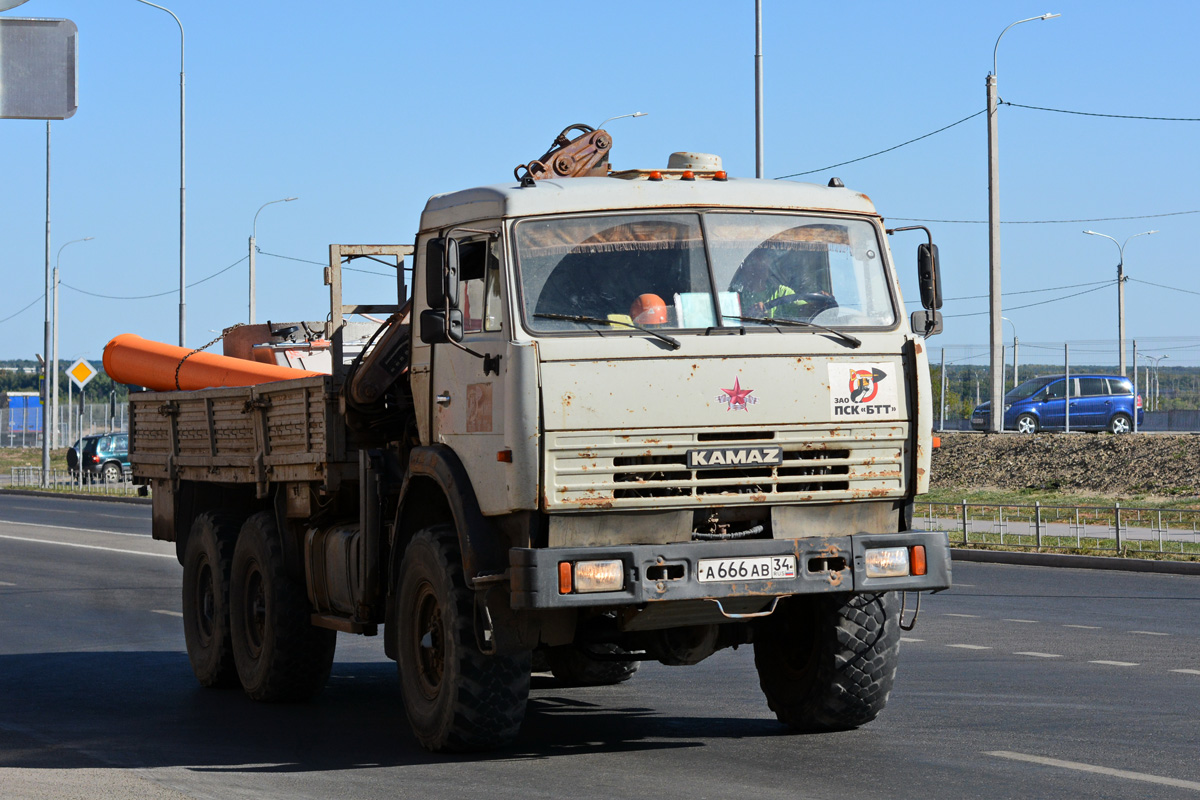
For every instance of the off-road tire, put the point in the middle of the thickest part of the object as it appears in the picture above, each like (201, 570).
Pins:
(572, 666)
(112, 473)
(1120, 423)
(456, 697)
(280, 655)
(206, 566)
(827, 663)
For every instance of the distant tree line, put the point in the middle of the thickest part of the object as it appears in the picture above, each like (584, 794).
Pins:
(25, 376)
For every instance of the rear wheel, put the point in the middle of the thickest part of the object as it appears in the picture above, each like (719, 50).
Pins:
(206, 564)
(827, 663)
(578, 665)
(1120, 423)
(112, 473)
(456, 697)
(1027, 423)
(280, 655)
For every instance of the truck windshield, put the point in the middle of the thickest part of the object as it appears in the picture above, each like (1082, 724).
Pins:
(655, 270)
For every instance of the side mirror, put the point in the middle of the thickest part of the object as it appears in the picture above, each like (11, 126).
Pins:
(929, 275)
(436, 328)
(441, 273)
(926, 323)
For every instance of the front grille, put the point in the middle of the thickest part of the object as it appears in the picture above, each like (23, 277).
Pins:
(651, 470)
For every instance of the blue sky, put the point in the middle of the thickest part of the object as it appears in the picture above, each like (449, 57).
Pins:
(364, 109)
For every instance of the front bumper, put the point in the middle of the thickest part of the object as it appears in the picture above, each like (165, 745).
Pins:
(663, 573)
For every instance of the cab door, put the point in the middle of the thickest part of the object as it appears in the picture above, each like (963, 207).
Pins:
(467, 391)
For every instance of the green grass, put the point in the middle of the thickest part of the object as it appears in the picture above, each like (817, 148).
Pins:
(30, 457)
(1051, 498)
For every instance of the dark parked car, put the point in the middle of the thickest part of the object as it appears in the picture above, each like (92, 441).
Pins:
(1098, 403)
(105, 457)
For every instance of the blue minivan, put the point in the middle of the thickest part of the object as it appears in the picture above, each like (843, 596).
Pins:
(1098, 403)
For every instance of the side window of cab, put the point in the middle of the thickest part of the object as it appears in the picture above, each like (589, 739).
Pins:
(479, 269)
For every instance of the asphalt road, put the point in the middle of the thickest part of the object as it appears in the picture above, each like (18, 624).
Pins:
(1021, 682)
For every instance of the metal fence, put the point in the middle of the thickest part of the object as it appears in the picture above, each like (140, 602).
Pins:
(1114, 528)
(61, 480)
(1166, 372)
(18, 428)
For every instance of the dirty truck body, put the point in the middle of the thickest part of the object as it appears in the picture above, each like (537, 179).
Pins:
(623, 418)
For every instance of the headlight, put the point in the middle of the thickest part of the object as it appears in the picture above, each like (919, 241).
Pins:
(887, 562)
(591, 576)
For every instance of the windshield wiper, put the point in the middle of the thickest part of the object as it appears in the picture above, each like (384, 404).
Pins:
(853, 341)
(671, 340)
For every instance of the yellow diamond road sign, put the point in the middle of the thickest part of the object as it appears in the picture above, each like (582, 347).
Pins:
(81, 372)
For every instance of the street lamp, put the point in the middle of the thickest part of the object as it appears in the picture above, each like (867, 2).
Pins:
(997, 348)
(182, 183)
(1120, 291)
(1155, 359)
(1016, 344)
(54, 358)
(253, 231)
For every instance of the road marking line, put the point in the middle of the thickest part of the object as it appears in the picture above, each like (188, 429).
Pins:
(1114, 773)
(168, 613)
(86, 546)
(1038, 655)
(1116, 663)
(61, 528)
(1151, 633)
(6, 583)
(1085, 627)
(1184, 671)
(1025, 621)
(969, 646)
(910, 639)
(965, 616)
(958, 585)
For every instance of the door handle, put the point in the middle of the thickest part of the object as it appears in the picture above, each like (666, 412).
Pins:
(442, 399)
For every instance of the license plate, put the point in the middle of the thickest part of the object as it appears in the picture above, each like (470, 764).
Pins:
(759, 568)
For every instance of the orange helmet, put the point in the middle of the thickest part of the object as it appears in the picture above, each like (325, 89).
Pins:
(648, 309)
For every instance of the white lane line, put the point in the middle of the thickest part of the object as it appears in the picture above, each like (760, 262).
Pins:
(64, 528)
(1024, 621)
(1184, 671)
(6, 583)
(86, 546)
(168, 613)
(910, 639)
(958, 585)
(969, 646)
(1038, 655)
(1116, 663)
(964, 616)
(1079, 767)
(1150, 633)
(1084, 627)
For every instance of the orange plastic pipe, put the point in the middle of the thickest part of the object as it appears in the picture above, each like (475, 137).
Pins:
(129, 358)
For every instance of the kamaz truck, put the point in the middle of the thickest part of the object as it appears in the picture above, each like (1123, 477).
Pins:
(622, 416)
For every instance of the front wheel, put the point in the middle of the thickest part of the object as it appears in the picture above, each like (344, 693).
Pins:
(280, 655)
(1027, 423)
(827, 663)
(456, 697)
(1121, 423)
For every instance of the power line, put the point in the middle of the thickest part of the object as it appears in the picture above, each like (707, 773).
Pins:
(1111, 116)
(881, 152)
(150, 296)
(1160, 286)
(1043, 221)
(26, 308)
(323, 264)
(1023, 291)
(1031, 305)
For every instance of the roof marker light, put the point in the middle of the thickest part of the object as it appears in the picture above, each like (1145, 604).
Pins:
(688, 175)
(720, 175)
(655, 175)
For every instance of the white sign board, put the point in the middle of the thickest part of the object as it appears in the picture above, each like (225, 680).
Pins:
(81, 372)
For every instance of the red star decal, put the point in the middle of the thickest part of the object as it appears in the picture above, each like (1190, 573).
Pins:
(737, 395)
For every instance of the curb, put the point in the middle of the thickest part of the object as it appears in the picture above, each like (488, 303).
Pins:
(1076, 562)
(103, 498)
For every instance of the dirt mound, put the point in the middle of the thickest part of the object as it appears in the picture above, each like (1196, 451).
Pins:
(1166, 465)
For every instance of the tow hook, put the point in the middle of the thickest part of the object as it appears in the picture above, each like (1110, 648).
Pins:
(912, 623)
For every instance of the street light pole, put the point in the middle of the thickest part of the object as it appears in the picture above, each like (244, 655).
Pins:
(1120, 291)
(182, 182)
(54, 359)
(253, 233)
(759, 168)
(995, 345)
(1156, 395)
(1016, 359)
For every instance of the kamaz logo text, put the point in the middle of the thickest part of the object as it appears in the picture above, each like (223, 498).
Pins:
(735, 457)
